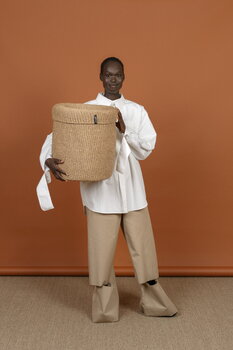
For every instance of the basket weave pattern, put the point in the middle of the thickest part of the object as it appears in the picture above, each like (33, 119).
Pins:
(84, 137)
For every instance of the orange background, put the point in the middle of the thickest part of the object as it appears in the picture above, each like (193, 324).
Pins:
(178, 60)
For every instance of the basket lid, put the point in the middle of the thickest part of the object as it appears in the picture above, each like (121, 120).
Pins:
(81, 113)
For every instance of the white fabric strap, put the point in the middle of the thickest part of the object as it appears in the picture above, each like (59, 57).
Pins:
(43, 194)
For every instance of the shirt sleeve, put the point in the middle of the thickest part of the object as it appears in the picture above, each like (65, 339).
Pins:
(142, 142)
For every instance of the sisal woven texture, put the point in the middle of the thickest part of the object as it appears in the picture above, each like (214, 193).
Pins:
(84, 137)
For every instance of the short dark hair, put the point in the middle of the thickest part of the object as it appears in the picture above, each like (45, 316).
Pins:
(110, 59)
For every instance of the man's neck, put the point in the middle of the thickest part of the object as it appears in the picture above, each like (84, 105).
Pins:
(112, 96)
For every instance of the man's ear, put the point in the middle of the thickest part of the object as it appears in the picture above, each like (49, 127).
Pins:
(101, 76)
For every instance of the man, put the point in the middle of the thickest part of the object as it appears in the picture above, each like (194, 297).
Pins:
(119, 201)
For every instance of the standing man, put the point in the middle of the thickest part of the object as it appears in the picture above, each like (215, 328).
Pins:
(119, 201)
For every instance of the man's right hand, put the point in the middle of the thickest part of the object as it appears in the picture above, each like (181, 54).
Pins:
(52, 163)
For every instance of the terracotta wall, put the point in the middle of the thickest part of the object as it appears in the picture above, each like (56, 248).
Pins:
(178, 59)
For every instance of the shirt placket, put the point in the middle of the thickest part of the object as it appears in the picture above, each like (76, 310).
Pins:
(122, 183)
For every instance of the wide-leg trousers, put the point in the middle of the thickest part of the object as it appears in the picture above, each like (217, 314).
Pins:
(103, 232)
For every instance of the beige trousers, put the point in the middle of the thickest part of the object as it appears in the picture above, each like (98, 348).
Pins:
(103, 232)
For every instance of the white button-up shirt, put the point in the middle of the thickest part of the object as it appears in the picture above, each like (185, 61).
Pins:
(124, 191)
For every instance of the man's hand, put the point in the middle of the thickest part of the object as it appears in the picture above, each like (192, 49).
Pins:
(120, 123)
(52, 163)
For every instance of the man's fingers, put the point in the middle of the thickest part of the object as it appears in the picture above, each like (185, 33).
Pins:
(58, 161)
(60, 170)
(61, 178)
(58, 176)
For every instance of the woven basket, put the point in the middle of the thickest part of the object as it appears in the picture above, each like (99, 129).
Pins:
(84, 137)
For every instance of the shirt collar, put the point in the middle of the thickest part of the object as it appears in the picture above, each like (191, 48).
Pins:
(102, 100)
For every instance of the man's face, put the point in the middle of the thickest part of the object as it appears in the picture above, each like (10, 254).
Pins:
(112, 78)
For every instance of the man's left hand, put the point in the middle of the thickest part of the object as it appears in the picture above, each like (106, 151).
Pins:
(120, 123)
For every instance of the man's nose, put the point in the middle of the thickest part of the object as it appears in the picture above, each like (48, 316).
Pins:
(113, 79)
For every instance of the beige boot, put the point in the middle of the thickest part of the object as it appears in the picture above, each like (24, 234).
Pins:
(155, 302)
(105, 300)
(105, 303)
